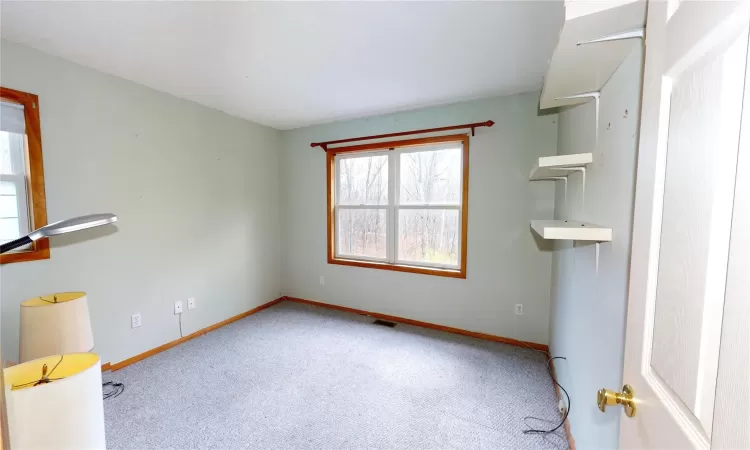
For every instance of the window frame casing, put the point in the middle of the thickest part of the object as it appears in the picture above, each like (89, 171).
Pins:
(35, 192)
(334, 155)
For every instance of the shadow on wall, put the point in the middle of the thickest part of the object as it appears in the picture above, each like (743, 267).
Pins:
(543, 245)
(83, 236)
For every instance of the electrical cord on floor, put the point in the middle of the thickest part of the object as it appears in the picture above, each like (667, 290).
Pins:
(532, 430)
(180, 314)
(114, 389)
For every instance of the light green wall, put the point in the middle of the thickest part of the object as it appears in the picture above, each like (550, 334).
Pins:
(589, 301)
(505, 264)
(196, 192)
(233, 213)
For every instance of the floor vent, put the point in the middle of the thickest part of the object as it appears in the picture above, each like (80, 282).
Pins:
(385, 323)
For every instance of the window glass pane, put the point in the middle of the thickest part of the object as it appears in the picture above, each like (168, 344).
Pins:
(428, 235)
(431, 177)
(361, 232)
(8, 206)
(9, 229)
(363, 180)
(7, 188)
(5, 166)
(12, 153)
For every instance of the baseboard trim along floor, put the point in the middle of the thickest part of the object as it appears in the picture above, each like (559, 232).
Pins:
(201, 332)
(418, 323)
(304, 377)
(447, 329)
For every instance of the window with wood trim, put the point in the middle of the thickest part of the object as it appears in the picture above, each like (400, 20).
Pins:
(400, 205)
(23, 206)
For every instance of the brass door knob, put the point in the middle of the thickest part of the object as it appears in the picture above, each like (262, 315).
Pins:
(626, 398)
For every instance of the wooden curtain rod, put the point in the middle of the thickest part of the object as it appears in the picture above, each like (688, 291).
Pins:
(472, 126)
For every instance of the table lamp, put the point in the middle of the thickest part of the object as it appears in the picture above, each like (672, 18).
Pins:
(55, 324)
(56, 402)
(53, 229)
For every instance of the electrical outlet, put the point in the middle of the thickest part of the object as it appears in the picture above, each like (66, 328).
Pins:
(561, 407)
(135, 320)
(191, 303)
(178, 307)
(322, 281)
(519, 309)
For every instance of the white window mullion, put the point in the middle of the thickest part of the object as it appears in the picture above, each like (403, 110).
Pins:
(460, 235)
(392, 215)
(396, 201)
(336, 197)
(337, 181)
(335, 230)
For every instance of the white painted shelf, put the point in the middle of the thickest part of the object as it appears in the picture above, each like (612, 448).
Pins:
(550, 166)
(575, 69)
(571, 230)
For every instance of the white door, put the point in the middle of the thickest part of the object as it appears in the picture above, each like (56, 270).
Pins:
(687, 352)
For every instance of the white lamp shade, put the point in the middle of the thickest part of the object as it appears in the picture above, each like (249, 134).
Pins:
(50, 327)
(67, 413)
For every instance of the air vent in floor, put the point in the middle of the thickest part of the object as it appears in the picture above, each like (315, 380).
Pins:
(385, 323)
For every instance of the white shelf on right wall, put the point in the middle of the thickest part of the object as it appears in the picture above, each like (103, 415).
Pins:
(571, 230)
(578, 66)
(552, 167)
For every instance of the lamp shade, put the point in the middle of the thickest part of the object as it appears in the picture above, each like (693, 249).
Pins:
(65, 413)
(55, 324)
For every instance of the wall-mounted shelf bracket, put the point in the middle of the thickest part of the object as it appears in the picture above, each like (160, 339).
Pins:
(596, 95)
(577, 63)
(583, 182)
(637, 33)
(565, 186)
(559, 167)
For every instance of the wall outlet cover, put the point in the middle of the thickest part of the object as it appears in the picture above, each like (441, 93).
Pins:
(135, 320)
(178, 307)
(322, 281)
(191, 303)
(519, 309)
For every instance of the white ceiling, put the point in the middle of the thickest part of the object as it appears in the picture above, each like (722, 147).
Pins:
(292, 64)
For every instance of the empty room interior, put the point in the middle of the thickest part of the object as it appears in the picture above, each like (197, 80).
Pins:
(333, 225)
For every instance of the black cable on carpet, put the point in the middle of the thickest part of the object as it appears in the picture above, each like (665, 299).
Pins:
(112, 389)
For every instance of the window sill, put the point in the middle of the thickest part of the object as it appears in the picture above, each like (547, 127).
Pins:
(451, 273)
(39, 252)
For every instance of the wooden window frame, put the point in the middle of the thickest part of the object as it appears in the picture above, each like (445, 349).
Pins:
(392, 145)
(37, 199)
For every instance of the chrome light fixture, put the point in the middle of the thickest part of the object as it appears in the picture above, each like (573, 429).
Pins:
(61, 227)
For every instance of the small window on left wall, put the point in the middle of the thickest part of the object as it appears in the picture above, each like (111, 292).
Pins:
(23, 206)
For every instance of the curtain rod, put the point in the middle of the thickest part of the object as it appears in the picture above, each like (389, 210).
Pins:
(472, 126)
